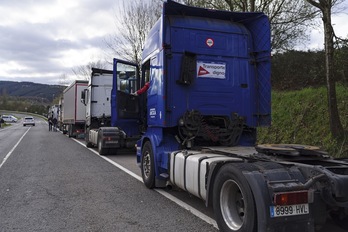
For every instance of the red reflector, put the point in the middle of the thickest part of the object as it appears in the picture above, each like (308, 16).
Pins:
(290, 198)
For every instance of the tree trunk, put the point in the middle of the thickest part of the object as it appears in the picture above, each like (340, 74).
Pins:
(334, 118)
(252, 5)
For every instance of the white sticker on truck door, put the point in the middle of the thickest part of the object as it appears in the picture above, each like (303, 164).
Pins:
(211, 70)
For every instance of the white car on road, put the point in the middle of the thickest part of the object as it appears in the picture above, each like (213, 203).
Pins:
(28, 121)
(9, 118)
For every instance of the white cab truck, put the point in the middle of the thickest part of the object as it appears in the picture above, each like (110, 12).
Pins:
(60, 115)
(54, 112)
(97, 98)
(103, 130)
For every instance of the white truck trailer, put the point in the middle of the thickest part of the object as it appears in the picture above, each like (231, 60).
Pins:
(74, 111)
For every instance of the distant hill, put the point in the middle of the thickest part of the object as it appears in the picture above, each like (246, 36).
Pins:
(30, 90)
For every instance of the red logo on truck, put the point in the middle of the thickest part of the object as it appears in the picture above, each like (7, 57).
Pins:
(202, 71)
(209, 42)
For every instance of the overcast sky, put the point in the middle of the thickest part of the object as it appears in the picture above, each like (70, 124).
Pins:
(43, 39)
(40, 40)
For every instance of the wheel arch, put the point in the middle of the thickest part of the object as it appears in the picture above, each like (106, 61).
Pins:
(160, 152)
(154, 140)
(154, 143)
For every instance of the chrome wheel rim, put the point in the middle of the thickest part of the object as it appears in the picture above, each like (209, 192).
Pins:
(232, 205)
(146, 165)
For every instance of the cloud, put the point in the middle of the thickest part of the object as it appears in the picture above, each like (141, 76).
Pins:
(42, 40)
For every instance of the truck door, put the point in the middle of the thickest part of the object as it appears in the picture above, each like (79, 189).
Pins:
(125, 108)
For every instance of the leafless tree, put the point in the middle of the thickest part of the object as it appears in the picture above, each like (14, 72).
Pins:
(63, 79)
(289, 19)
(133, 23)
(83, 72)
(325, 7)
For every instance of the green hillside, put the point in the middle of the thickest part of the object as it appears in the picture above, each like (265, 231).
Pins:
(28, 96)
(302, 117)
(30, 90)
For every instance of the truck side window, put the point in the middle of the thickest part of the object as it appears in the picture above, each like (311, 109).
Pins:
(188, 69)
(146, 68)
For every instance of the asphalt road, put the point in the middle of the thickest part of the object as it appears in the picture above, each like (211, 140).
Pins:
(49, 182)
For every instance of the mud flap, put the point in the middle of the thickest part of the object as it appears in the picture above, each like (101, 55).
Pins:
(263, 197)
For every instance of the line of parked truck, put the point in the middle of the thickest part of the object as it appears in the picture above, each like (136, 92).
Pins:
(195, 127)
(70, 112)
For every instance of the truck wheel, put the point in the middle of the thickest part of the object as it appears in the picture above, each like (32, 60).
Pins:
(70, 133)
(101, 150)
(148, 165)
(233, 202)
(89, 145)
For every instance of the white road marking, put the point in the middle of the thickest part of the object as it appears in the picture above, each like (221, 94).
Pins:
(10, 152)
(182, 204)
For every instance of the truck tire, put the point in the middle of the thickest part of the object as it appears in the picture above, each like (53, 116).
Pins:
(233, 201)
(70, 131)
(89, 145)
(101, 150)
(148, 165)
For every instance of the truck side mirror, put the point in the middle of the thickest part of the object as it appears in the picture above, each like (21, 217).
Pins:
(83, 96)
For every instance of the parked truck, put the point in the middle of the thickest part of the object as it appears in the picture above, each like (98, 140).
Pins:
(53, 112)
(112, 120)
(60, 115)
(53, 115)
(209, 90)
(74, 112)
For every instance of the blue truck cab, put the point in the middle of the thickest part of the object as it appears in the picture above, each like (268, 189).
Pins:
(209, 81)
